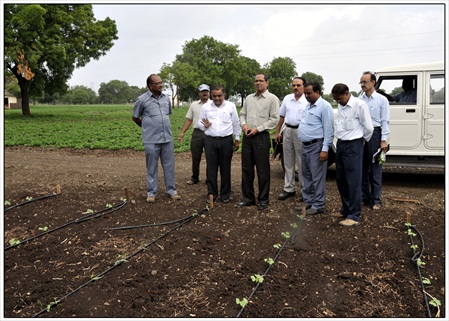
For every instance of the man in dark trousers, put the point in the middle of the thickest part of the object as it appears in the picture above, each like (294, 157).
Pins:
(354, 129)
(220, 122)
(259, 114)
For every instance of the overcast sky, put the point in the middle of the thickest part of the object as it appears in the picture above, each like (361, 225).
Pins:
(338, 41)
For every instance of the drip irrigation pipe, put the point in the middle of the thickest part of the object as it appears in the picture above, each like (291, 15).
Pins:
(30, 201)
(116, 264)
(149, 225)
(90, 216)
(265, 273)
(417, 255)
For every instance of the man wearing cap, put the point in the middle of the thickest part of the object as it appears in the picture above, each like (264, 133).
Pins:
(151, 112)
(198, 136)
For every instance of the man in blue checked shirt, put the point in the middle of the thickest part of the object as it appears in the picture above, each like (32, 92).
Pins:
(151, 112)
(316, 134)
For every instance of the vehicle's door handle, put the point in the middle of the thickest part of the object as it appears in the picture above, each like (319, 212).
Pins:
(410, 110)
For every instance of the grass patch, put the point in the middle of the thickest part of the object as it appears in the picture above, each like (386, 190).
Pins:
(91, 126)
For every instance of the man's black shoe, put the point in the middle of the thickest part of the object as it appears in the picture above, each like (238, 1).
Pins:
(262, 206)
(284, 195)
(244, 203)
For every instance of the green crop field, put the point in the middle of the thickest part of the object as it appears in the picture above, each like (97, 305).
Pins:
(91, 126)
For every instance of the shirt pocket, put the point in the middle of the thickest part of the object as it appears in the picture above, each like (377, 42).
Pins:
(349, 124)
(225, 117)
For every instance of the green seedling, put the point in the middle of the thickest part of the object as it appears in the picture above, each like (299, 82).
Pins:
(56, 302)
(108, 205)
(408, 224)
(120, 262)
(436, 303)
(95, 278)
(277, 246)
(29, 198)
(14, 242)
(414, 247)
(420, 262)
(7, 203)
(300, 216)
(426, 281)
(242, 302)
(89, 211)
(270, 261)
(123, 199)
(286, 234)
(294, 225)
(45, 228)
(257, 278)
(410, 232)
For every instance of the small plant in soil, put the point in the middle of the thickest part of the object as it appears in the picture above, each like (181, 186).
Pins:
(108, 205)
(277, 246)
(257, 278)
(43, 229)
(14, 242)
(270, 261)
(420, 262)
(29, 198)
(7, 203)
(242, 302)
(89, 211)
(286, 234)
(56, 302)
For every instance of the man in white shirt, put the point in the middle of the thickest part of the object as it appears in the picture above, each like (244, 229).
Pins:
(220, 122)
(198, 137)
(354, 129)
(290, 114)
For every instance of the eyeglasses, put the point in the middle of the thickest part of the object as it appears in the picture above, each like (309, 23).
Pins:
(364, 82)
(296, 85)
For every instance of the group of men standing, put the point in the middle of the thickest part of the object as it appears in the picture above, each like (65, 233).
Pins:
(306, 122)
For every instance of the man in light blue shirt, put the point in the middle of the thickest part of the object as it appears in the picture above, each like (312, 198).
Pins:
(316, 134)
(151, 112)
(380, 115)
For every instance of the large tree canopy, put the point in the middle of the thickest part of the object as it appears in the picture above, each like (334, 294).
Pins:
(44, 43)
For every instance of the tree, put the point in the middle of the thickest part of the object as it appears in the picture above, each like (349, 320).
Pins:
(80, 95)
(44, 43)
(245, 82)
(280, 72)
(168, 78)
(208, 61)
(310, 76)
(114, 92)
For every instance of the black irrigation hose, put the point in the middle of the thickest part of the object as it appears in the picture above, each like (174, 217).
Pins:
(30, 201)
(417, 255)
(90, 216)
(149, 225)
(265, 273)
(56, 302)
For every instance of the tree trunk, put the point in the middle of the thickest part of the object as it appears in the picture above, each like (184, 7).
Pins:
(24, 85)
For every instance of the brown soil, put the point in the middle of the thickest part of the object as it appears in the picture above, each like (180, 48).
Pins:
(199, 269)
